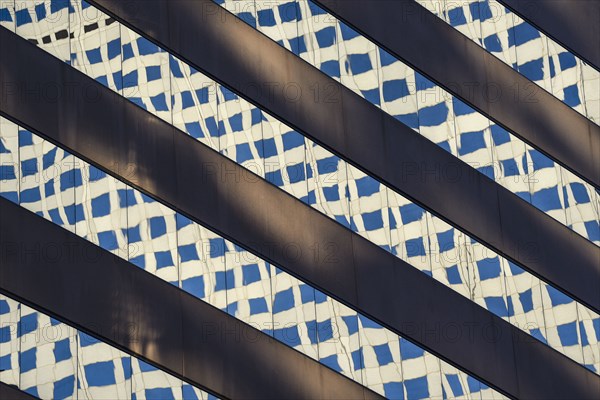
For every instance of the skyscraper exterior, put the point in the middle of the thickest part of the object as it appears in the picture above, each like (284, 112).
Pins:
(299, 199)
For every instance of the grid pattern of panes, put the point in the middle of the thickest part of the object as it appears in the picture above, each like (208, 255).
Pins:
(524, 48)
(52, 360)
(342, 53)
(220, 119)
(118, 218)
(414, 234)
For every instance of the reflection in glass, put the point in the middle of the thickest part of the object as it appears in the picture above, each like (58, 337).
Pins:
(248, 282)
(102, 200)
(52, 360)
(338, 336)
(381, 359)
(7, 14)
(96, 45)
(421, 372)
(46, 24)
(369, 211)
(103, 372)
(146, 74)
(149, 382)
(204, 264)
(47, 356)
(201, 262)
(279, 19)
(327, 181)
(48, 180)
(294, 313)
(152, 235)
(9, 160)
(526, 49)
(194, 103)
(240, 131)
(10, 313)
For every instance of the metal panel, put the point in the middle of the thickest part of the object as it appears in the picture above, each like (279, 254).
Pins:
(542, 60)
(208, 188)
(50, 268)
(372, 140)
(574, 24)
(418, 37)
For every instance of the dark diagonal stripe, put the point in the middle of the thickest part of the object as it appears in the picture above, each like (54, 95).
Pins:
(8, 392)
(375, 142)
(104, 295)
(430, 45)
(112, 133)
(575, 24)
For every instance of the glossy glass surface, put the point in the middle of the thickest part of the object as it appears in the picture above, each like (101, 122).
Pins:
(53, 183)
(371, 72)
(526, 49)
(52, 360)
(155, 238)
(144, 231)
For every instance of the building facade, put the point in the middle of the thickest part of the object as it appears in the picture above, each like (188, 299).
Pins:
(292, 164)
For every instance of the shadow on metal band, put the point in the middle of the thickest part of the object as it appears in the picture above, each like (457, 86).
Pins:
(373, 141)
(94, 290)
(111, 132)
